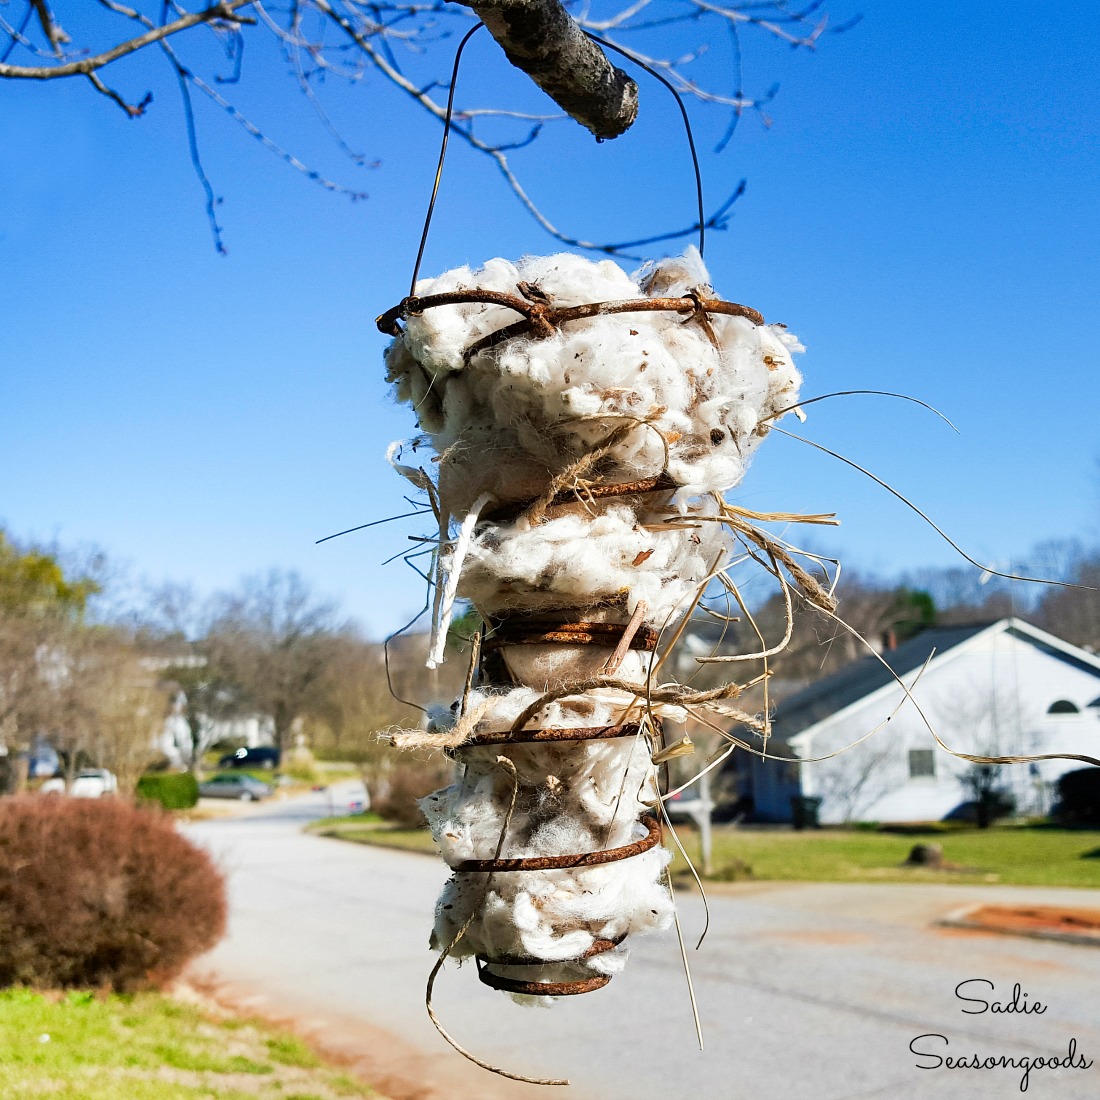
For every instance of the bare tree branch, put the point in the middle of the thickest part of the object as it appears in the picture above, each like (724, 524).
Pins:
(84, 65)
(53, 31)
(133, 110)
(541, 38)
(15, 34)
(400, 38)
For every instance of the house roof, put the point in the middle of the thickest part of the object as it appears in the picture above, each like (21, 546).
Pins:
(864, 677)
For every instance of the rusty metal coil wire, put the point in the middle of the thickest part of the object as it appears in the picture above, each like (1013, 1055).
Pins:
(509, 632)
(544, 989)
(568, 862)
(539, 989)
(600, 946)
(546, 863)
(541, 318)
(545, 736)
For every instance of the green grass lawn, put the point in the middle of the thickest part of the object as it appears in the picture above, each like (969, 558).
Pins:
(151, 1047)
(1016, 855)
(1007, 854)
(369, 828)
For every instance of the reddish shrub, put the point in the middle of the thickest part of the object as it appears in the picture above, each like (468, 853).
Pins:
(96, 892)
(410, 779)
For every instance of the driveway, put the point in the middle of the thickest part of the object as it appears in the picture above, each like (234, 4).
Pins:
(806, 991)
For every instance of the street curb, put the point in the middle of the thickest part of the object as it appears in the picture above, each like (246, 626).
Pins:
(963, 918)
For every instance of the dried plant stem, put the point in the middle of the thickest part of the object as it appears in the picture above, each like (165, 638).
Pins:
(686, 964)
(504, 762)
(621, 650)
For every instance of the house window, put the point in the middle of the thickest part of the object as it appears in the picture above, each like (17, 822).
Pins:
(1063, 706)
(922, 764)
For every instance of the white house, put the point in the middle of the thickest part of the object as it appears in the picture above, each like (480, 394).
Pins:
(1000, 689)
(174, 739)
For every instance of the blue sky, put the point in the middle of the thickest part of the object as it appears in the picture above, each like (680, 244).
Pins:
(922, 212)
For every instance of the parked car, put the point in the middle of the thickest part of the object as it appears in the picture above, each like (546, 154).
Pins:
(89, 783)
(348, 796)
(242, 787)
(264, 756)
(43, 759)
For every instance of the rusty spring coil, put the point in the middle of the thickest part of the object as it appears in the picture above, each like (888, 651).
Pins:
(522, 630)
(541, 319)
(555, 863)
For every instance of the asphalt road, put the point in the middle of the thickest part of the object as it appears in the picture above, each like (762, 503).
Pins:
(806, 991)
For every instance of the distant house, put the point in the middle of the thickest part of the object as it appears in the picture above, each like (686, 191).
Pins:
(174, 738)
(1000, 689)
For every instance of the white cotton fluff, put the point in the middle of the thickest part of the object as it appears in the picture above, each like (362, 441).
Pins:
(660, 393)
(527, 408)
(572, 797)
(580, 559)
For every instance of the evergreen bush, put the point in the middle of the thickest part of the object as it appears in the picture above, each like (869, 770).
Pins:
(173, 790)
(1079, 797)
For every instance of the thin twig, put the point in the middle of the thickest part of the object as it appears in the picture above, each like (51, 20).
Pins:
(84, 65)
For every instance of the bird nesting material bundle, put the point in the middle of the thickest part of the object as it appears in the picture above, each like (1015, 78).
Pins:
(580, 426)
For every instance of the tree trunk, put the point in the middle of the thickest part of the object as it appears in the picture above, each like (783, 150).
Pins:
(194, 729)
(283, 724)
(17, 772)
(70, 768)
(541, 38)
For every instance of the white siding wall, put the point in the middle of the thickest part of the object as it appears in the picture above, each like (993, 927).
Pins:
(1000, 673)
(175, 736)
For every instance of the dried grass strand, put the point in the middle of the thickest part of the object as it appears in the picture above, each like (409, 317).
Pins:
(504, 762)
(923, 515)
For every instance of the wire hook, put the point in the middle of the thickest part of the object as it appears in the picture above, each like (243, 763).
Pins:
(448, 120)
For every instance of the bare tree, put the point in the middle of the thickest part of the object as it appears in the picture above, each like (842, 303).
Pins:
(355, 704)
(42, 605)
(1074, 613)
(277, 642)
(856, 780)
(129, 713)
(99, 702)
(992, 797)
(986, 723)
(21, 688)
(405, 42)
(879, 615)
(172, 624)
(204, 696)
(67, 710)
(967, 595)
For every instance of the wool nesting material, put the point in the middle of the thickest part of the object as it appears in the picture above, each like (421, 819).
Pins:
(580, 559)
(607, 400)
(571, 797)
(527, 408)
